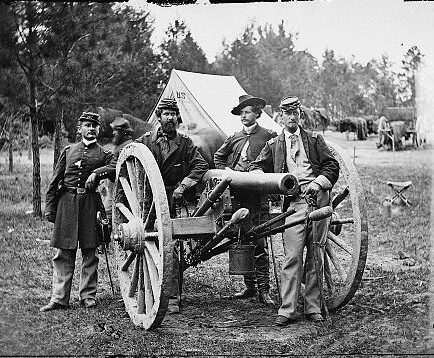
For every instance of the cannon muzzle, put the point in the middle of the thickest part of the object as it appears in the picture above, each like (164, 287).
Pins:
(262, 183)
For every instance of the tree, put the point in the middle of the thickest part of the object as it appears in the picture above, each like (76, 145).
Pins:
(181, 51)
(267, 65)
(413, 58)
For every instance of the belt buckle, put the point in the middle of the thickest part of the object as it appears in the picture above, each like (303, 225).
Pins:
(81, 190)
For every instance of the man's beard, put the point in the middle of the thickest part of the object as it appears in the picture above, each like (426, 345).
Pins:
(169, 128)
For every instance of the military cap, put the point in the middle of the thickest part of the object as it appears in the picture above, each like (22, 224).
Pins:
(168, 103)
(289, 103)
(91, 117)
(247, 100)
(121, 124)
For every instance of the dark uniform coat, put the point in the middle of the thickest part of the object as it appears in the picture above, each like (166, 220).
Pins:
(182, 161)
(229, 153)
(272, 158)
(76, 223)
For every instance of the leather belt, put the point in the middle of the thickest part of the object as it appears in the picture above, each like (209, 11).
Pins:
(80, 191)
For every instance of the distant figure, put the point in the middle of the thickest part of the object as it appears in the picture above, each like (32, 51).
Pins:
(73, 210)
(383, 131)
(236, 153)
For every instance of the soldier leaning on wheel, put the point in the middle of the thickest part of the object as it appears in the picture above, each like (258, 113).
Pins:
(181, 166)
(236, 153)
(73, 210)
(305, 155)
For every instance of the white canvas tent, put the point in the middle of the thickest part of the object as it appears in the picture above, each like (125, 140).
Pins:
(205, 103)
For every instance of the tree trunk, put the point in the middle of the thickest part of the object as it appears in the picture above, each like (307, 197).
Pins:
(58, 136)
(31, 77)
(37, 211)
(11, 158)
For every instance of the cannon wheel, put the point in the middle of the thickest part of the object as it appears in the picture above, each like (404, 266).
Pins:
(141, 215)
(347, 244)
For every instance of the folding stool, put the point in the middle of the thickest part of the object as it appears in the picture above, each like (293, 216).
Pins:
(399, 187)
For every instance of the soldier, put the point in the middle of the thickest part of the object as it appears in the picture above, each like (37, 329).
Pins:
(181, 166)
(306, 155)
(236, 153)
(72, 205)
(122, 135)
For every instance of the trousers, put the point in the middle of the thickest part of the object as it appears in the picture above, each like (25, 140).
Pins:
(63, 271)
(294, 242)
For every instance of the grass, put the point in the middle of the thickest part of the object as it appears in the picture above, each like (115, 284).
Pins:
(387, 316)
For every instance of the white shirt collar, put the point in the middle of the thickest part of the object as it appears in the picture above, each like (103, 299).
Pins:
(251, 128)
(289, 134)
(88, 142)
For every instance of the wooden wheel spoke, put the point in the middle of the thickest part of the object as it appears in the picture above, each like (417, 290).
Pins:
(128, 261)
(152, 272)
(132, 175)
(151, 290)
(339, 242)
(141, 289)
(134, 278)
(141, 176)
(125, 211)
(151, 248)
(335, 261)
(131, 197)
(150, 216)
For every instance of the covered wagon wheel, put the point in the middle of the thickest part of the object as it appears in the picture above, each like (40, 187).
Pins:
(347, 243)
(143, 236)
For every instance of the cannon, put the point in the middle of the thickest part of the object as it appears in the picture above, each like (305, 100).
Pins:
(144, 233)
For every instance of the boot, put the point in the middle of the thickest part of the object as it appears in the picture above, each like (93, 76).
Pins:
(246, 293)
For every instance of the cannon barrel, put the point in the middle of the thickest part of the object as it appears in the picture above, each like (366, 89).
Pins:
(262, 183)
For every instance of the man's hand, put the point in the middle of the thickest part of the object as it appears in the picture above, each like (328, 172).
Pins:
(91, 181)
(50, 216)
(178, 192)
(311, 192)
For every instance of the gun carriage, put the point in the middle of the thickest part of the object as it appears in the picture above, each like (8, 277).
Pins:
(145, 233)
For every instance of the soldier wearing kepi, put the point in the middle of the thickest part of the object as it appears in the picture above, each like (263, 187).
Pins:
(72, 205)
(236, 153)
(181, 166)
(306, 155)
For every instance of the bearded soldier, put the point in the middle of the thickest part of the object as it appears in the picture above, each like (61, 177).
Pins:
(181, 166)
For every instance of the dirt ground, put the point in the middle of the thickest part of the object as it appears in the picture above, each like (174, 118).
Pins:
(388, 316)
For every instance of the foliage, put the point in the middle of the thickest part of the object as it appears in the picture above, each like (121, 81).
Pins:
(180, 51)
(267, 64)
(413, 58)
